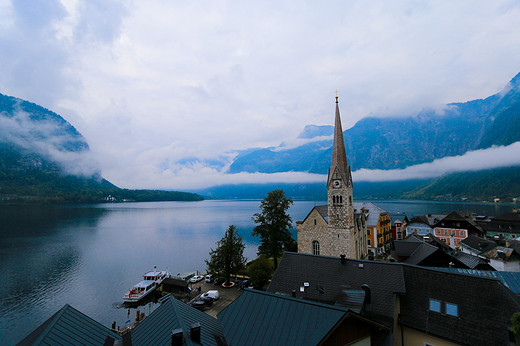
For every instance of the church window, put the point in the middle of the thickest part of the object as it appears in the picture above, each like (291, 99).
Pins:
(315, 247)
(314, 222)
(340, 199)
(350, 198)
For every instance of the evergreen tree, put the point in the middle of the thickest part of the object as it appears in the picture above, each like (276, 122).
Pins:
(228, 258)
(273, 225)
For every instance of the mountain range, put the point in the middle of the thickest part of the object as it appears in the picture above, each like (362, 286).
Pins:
(399, 141)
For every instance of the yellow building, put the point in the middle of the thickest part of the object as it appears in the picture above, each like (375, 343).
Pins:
(379, 227)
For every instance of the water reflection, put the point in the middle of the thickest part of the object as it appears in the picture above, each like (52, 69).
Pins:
(88, 256)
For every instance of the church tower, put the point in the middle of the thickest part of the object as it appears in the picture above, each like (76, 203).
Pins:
(336, 228)
(339, 182)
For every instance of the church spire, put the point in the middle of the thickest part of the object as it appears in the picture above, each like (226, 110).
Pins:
(339, 155)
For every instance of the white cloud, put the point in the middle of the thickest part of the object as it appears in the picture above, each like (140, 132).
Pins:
(494, 157)
(156, 82)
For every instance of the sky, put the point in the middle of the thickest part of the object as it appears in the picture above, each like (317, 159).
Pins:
(161, 88)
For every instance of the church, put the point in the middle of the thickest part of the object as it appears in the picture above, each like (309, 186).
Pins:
(337, 228)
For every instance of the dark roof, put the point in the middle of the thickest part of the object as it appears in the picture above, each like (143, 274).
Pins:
(173, 314)
(383, 278)
(323, 210)
(478, 244)
(175, 282)
(468, 260)
(460, 216)
(68, 326)
(509, 216)
(485, 306)
(510, 279)
(262, 318)
(422, 252)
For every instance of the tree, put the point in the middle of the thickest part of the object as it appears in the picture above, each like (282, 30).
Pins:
(273, 225)
(259, 272)
(228, 258)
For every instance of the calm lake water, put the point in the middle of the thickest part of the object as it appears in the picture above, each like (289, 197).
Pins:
(89, 255)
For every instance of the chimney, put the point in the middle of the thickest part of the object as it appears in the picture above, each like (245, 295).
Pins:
(195, 332)
(177, 337)
(368, 297)
(343, 258)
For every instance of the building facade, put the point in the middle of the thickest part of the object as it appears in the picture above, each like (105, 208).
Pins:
(335, 229)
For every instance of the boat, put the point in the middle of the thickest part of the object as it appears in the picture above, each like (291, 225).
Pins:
(151, 281)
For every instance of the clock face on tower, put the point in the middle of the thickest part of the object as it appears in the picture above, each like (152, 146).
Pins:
(336, 184)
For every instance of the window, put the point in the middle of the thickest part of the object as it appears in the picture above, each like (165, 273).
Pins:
(368, 231)
(369, 243)
(435, 305)
(314, 222)
(315, 247)
(452, 309)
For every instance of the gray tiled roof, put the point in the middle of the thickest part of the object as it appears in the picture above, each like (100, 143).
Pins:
(510, 279)
(478, 244)
(373, 211)
(261, 318)
(173, 314)
(383, 278)
(70, 327)
(422, 252)
(468, 260)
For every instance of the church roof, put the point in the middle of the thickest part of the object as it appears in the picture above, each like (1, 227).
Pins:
(339, 155)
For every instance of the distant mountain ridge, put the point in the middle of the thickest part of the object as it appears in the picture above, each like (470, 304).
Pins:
(43, 158)
(399, 142)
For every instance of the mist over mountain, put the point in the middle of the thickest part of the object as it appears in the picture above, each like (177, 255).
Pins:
(400, 141)
(43, 158)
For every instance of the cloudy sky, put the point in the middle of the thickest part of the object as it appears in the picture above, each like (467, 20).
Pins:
(158, 88)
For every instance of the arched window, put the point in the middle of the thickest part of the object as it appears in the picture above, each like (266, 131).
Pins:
(315, 247)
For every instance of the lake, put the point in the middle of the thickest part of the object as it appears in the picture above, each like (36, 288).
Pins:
(89, 255)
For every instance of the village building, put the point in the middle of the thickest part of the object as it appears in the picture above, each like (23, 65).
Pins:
(506, 225)
(336, 228)
(379, 230)
(398, 231)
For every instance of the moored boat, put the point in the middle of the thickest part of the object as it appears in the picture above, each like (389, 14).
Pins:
(151, 281)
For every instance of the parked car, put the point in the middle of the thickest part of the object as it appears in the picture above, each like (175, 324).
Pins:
(208, 278)
(199, 305)
(213, 294)
(196, 278)
(245, 283)
(207, 300)
(218, 281)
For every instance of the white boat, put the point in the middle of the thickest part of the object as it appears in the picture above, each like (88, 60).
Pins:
(151, 281)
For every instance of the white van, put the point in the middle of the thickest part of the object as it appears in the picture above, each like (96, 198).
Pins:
(212, 294)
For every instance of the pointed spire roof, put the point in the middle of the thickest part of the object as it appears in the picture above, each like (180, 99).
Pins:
(339, 155)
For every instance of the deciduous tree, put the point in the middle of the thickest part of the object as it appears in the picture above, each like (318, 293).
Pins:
(273, 226)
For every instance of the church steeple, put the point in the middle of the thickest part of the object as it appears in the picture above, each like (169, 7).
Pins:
(339, 155)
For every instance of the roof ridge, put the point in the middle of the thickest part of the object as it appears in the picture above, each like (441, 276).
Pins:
(297, 300)
(51, 325)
